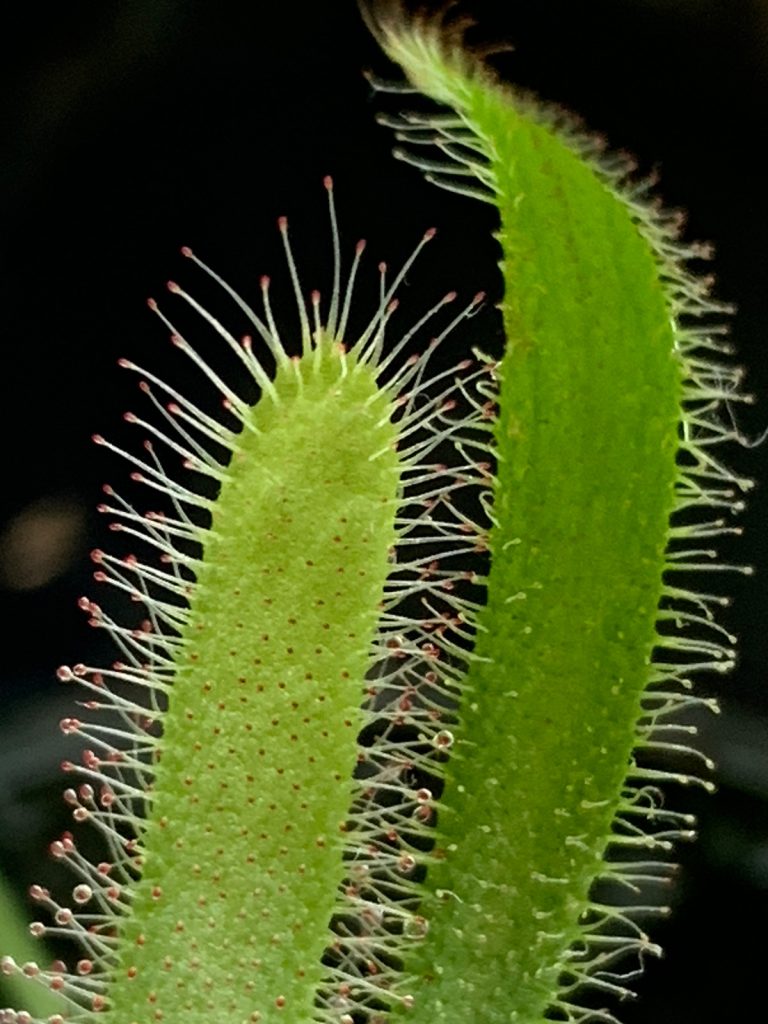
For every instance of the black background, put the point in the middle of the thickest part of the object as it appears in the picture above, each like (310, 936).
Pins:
(131, 128)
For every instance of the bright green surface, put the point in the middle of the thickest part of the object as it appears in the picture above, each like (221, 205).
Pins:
(259, 741)
(587, 435)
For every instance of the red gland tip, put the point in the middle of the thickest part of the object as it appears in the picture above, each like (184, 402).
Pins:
(328, 182)
(126, 364)
(315, 297)
(429, 234)
(186, 251)
(282, 223)
(450, 296)
(172, 287)
(382, 267)
(264, 281)
(97, 439)
(480, 297)
(152, 304)
(360, 247)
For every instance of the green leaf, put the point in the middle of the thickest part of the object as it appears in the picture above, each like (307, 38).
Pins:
(585, 648)
(228, 777)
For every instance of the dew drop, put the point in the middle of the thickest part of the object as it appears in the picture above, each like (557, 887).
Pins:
(406, 863)
(443, 740)
(8, 966)
(416, 927)
(82, 893)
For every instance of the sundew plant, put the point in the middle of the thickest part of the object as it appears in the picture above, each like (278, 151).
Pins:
(417, 646)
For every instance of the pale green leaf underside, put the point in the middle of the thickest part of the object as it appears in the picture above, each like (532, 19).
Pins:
(587, 437)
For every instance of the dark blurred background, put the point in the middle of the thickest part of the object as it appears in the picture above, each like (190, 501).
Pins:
(131, 128)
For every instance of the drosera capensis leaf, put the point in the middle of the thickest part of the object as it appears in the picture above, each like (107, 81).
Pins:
(607, 486)
(258, 869)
